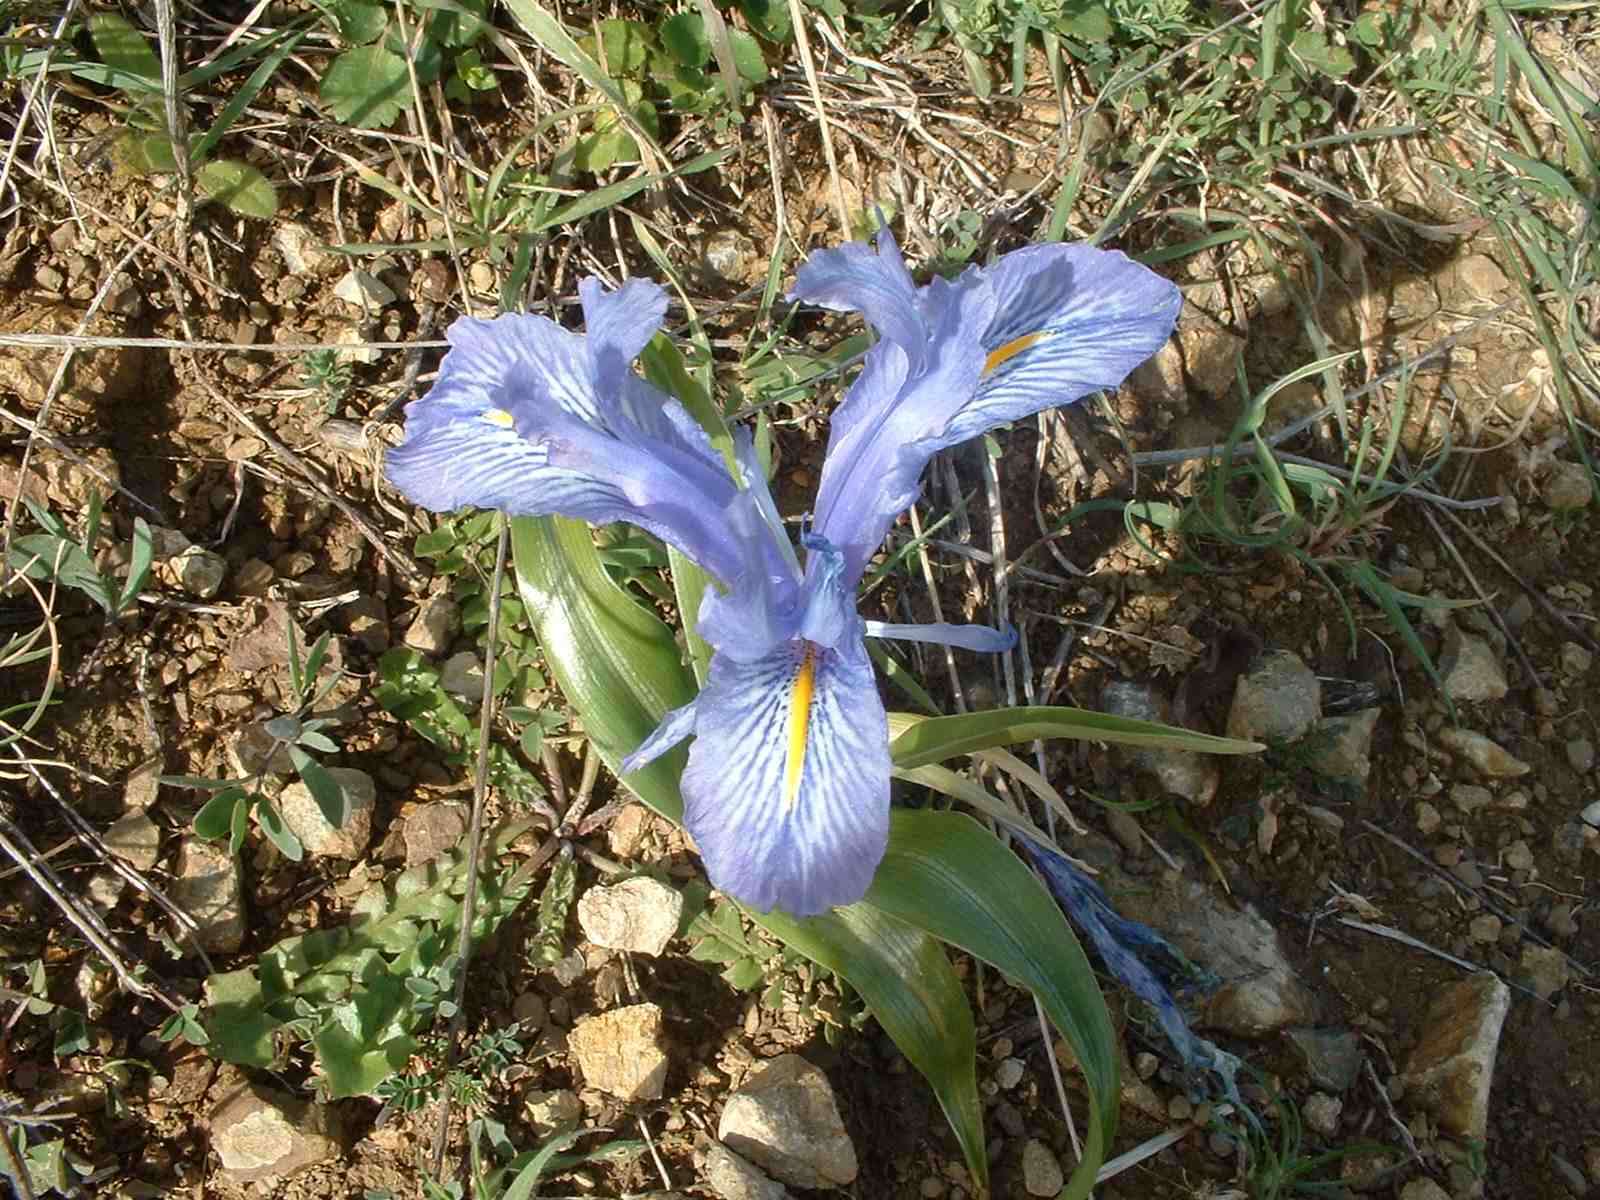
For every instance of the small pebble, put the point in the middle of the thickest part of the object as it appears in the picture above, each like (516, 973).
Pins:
(1009, 1073)
(1428, 818)
(1580, 755)
(1485, 929)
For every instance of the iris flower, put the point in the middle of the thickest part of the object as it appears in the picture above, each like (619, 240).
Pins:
(786, 792)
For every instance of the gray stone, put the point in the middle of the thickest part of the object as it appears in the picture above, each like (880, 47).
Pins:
(1333, 1056)
(1126, 829)
(1580, 755)
(435, 626)
(620, 1052)
(1575, 660)
(104, 890)
(1041, 1170)
(1470, 798)
(639, 915)
(253, 751)
(136, 838)
(1348, 754)
(1543, 970)
(1469, 668)
(1179, 772)
(263, 1135)
(1322, 1113)
(301, 254)
(1279, 698)
(1485, 756)
(143, 785)
(305, 819)
(1009, 1073)
(1450, 1070)
(784, 1119)
(432, 830)
(1428, 818)
(733, 1178)
(552, 1111)
(462, 675)
(1568, 487)
(199, 572)
(1261, 992)
(364, 290)
(1423, 1189)
(1591, 814)
(208, 887)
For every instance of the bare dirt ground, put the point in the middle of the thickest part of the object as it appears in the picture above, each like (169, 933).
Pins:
(230, 448)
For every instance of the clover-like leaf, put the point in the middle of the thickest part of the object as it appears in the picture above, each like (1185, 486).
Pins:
(366, 87)
(238, 186)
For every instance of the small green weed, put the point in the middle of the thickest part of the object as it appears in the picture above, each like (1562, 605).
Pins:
(325, 373)
(467, 1084)
(56, 554)
(359, 997)
(369, 84)
(498, 1172)
(235, 802)
(128, 64)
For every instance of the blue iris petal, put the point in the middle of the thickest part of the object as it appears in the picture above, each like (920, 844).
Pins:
(1043, 326)
(1145, 962)
(803, 837)
(981, 638)
(534, 420)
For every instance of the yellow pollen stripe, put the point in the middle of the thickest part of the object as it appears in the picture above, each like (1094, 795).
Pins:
(799, 723)
(500, 417)
(1012, 348)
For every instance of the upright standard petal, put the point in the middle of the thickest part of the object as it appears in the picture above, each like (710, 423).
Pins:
(1043, 326)
(534, 420)
(787, 789)
(891, 422)
(855, 278)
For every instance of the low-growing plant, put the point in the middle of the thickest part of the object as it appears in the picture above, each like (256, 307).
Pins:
(360, 997)
(329, 375)
(56, 553)
(130, 65)
(369, 83)
(497, 1172)
(466, 1083)
(234, 803)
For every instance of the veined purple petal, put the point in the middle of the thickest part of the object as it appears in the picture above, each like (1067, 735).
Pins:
(892, 421)
(876, 284)
(981, 638)
(1070, 320)
(675, 726)
(532, 419)
(787, 789)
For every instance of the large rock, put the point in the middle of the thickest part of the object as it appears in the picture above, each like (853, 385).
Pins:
(1180, 772)
(1278, 699)
(1260, 992)
(209, 889)
(640, 915)
(785, 1120)
(263, 1135)
(1333, 1056)
(1469, 668)
(733, 1178)
(1450, 1070)
(620, 1052)
(305, 819)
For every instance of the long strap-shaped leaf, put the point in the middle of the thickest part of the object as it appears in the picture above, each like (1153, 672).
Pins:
(620, 669)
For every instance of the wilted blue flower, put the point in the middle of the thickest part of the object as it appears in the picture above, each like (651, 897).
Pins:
(786, 791)
(1148, 966)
